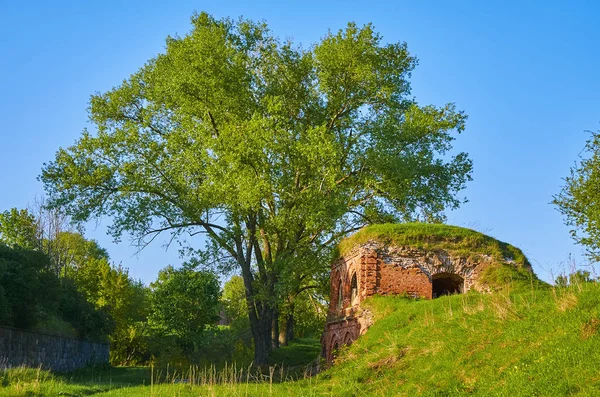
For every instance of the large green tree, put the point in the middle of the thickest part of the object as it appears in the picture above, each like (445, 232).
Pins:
(269, 149)
(579, 199)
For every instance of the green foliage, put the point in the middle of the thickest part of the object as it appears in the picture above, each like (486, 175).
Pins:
(578, 200)
(88, 321)
(128, 303)
(270, 149)
(561, 281)
(18, 228)
(234, 304)
(27, 286)
(67, 286)
(309, 312)
(184, 302)
(297, 354)
(33, 297)
(79, 259)
(110, 290)
(576, 278)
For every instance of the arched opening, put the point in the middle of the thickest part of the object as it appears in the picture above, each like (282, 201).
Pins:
(347, 338)
(335, 347)
(446, 284)
(340, 296)
(354, 290)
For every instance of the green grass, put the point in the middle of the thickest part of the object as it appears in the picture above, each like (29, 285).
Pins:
(521, 344)
(453, 239)
(299, 353)
(536, 342)
(91, 381)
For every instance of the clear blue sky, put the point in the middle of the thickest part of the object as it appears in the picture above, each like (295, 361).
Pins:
(526, 73)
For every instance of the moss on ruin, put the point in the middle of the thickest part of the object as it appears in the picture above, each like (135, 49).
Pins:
(458, 241)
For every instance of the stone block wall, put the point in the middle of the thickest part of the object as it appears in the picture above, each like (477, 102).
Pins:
(31, 349)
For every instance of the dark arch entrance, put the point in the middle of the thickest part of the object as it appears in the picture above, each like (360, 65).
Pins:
(446, 284)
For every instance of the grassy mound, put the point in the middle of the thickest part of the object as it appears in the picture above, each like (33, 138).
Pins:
(456, 240)
(536, 343)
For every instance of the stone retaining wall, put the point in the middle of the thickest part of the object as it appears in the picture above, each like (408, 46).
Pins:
(31, 349)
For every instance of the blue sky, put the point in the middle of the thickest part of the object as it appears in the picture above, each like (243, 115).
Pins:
(526, 73)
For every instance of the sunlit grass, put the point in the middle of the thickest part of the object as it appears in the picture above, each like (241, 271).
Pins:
(536, 342)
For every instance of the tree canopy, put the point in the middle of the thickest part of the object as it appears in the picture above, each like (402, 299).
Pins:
(19, 228)
(271, 150)
(579, 199)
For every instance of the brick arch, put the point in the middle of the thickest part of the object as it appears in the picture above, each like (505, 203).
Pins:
(335, 279)
(333, 346)
(347, 273)
(348, 338)
(442, 263)
(445, 283)
(353, 285)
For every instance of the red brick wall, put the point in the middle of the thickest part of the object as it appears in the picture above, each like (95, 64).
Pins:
(339, 333)
(374, 276)
(387, 270)
(397, 280)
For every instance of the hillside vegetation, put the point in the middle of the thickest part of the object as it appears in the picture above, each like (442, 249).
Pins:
(542, 342)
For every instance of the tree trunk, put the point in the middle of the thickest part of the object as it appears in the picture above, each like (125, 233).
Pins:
(262, 341)
(286, 334)
(275, 329)
(289, 327)
(260, 315)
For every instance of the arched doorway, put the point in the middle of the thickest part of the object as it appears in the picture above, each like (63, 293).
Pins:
(335, 347)
(347, 338)
(340, 295)
(446, 284)
(353, 290)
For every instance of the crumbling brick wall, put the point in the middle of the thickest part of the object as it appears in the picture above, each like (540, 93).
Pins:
(387, 270)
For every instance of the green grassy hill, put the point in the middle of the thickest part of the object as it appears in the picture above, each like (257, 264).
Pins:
(536, 342)
(541, 342)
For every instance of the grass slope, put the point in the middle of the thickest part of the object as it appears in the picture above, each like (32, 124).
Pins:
(539, 342)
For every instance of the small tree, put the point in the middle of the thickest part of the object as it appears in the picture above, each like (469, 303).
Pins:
(184, 302)
(579, 199)
(234, 304)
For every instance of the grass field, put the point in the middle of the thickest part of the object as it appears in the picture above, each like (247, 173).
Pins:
(540, 342)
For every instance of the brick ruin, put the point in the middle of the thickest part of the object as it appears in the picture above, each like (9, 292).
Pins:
(375, 268)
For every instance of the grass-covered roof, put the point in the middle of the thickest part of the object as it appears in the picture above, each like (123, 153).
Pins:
(455, 240)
